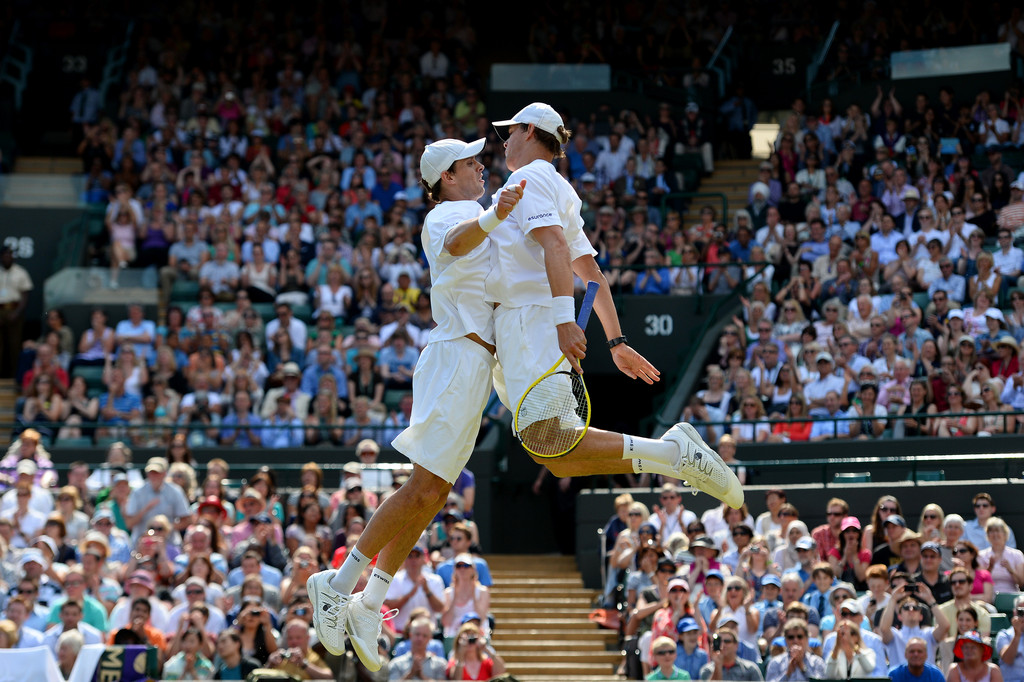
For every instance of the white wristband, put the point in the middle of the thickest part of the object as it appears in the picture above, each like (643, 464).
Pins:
(563, 309)
(488, 220)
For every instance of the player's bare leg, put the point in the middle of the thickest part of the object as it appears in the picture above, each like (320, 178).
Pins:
(680, 453)
(392, 531)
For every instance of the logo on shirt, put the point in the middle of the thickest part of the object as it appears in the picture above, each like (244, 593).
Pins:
(540, 215)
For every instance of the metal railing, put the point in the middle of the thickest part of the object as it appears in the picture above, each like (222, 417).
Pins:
(724, 72)
(819, 59)
(1008, 418)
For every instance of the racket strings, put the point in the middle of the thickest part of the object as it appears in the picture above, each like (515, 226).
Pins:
(554, 414)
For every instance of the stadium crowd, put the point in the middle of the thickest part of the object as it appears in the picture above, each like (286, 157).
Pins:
(215, 578)
(280, 176)
(868, 594)
(885, 291)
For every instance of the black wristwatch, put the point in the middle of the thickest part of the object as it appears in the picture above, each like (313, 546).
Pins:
(618, 340)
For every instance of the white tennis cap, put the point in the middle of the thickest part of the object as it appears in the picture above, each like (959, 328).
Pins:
(439, 156)
(539, 114)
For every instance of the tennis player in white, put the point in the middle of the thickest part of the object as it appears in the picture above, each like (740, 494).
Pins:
(535, 252)
(451, 385)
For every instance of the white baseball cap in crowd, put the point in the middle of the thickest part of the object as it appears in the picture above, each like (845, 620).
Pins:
(439, 156)
(539, 114)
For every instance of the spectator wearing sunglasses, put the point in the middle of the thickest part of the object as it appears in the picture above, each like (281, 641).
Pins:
(974, 530)
(664, 652)
(910, 612)
(960, 582)
(797, 662)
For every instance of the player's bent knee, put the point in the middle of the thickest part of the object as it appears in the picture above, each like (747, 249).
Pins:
(428, 489)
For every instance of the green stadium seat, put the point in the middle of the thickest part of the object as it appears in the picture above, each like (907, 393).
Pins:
(92, 374)
(104, 443)
(921, 299)
(852, 477)
(303, 313)
(73, 443)
(185, 291)
(939, 475)
(999, 621)
(394, 396)
(265, 310)
(1004, 601)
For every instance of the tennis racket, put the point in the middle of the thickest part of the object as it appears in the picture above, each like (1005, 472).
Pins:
(554, 414)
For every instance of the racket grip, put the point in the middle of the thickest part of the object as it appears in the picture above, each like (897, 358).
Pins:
(587, 306)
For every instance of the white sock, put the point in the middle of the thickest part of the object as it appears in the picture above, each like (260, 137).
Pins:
(646, 466)
(345, 578)
(376, 589)
(655, 451)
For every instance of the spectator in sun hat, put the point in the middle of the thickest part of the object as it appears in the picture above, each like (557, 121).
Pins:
(973, 657)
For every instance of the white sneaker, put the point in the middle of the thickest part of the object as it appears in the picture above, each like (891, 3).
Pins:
(364, 626)
(329, 610)
(702, 468)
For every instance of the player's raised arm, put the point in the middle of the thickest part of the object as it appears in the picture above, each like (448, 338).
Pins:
(629, 362)
(571, 339)
(469, 234)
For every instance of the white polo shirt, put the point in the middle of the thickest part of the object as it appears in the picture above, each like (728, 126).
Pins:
(457, 282)
(518, 276)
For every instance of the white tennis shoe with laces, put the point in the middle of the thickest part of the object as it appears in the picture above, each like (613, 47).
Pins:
(330, 608)
(702, 468)
(364, 625)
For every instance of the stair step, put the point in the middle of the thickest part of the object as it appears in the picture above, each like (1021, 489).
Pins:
(562, 671)
(575, 678)
(528, 633)
(527, 611)
(549, 623)
(561, 580)
(552, 604)
(525, 591)
(513, 645)
(48, 165)
(567, 655)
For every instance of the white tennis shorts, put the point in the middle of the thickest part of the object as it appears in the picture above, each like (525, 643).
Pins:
(450, 387)
(527, 347)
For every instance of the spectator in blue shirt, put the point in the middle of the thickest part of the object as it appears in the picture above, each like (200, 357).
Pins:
(689, 657)
(817, 595)
(241, 428)
(283, 429)
(362, 209)
(916, 669)
(398, 360)
(823, 428)
(325, 364)
(740, 247)
(116, 406)
(655, 279)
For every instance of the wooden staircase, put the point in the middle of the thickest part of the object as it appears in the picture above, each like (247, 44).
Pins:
(732, 178)
(542, 629)
(8, 399)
